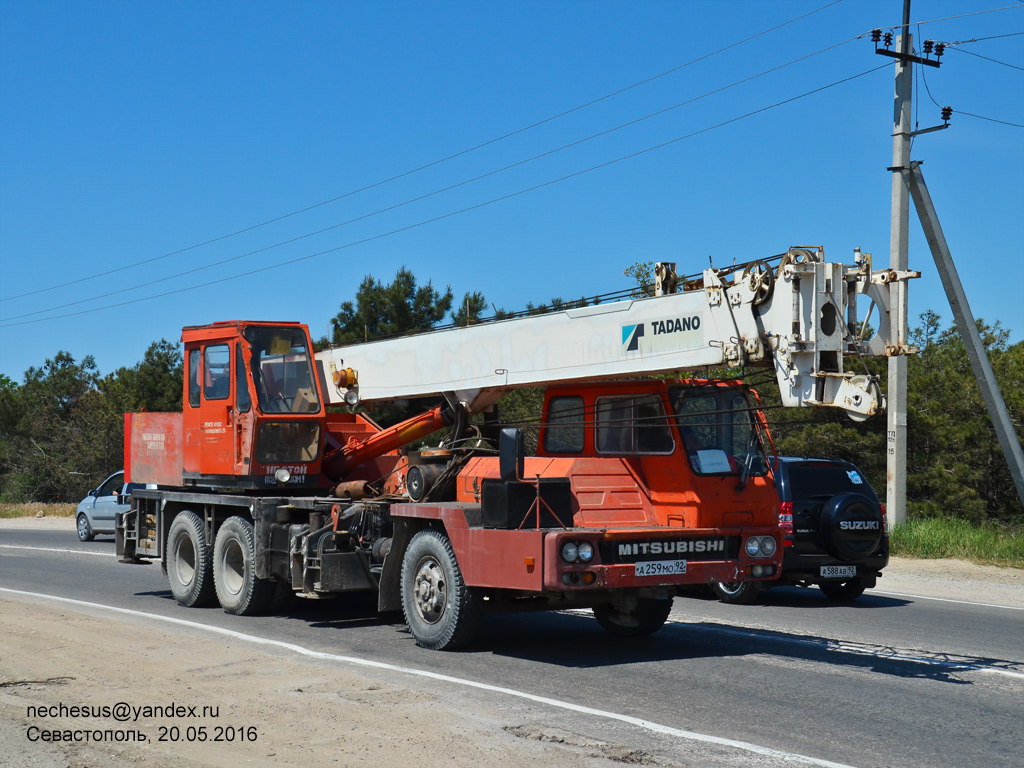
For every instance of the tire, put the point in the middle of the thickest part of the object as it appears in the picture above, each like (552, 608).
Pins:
(442, 612)
(650, 616)
(84, 529)
(234, 570)
(845, 591)
(190, 562)
(837, 524)
(737, 593)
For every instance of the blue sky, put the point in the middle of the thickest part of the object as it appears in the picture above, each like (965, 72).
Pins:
(132, 130)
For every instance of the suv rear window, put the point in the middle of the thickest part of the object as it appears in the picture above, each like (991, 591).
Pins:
(810, 480)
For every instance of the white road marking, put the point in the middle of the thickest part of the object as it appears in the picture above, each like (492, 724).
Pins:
(946, 600)
(298, 649)
(67, 551)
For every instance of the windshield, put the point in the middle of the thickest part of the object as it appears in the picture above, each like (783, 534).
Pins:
(717, 429)
(281, 370)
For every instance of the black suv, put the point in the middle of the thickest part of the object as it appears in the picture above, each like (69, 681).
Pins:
(835, 531)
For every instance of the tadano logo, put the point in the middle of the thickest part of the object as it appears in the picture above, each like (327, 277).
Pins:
(671, 333)
(631, 336)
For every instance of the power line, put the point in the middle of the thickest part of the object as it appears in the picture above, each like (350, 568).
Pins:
(422, 167)
(434, 193)
(928, 90)
(989, 119)
(986, 58)
(990, 37)
(958, 16)
(467, 209)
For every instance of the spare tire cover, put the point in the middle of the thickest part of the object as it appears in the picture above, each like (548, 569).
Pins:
(851, 526)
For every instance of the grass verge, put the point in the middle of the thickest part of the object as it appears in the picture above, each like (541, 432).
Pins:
(949, 537)
(33, 510)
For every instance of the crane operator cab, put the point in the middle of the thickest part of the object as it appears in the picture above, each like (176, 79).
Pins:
(253, 414)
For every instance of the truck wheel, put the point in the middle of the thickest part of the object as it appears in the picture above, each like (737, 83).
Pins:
(737, 593)
(84, 529)
(189, 561)
(234, 570)
(843, 590)
(648, 618)
(441, 611)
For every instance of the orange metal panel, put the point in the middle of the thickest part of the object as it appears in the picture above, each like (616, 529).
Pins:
(497, 558)
(152, 448)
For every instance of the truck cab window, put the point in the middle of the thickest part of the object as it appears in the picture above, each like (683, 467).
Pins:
(717, 430)
(633, 425)
(563, 432)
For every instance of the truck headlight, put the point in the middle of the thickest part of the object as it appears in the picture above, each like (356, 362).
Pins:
(586, 551)
(760, 546)
(570, 552)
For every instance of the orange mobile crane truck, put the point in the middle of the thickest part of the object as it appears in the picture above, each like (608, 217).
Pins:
(640, 487)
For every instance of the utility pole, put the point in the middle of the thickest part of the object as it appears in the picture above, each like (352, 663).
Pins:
(976, 353)
(896, 416)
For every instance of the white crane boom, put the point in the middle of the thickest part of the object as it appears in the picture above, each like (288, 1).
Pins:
(801, 319)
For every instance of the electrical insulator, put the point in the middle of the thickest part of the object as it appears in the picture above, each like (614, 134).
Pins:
(947, 112)
(940, 49)
(876, 35)
(928, 46)
(888, 39)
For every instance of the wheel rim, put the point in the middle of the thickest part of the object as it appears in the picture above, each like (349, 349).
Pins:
(731, 589)
(83, 527)
(430, 592)
(184, 560)
(232, 567)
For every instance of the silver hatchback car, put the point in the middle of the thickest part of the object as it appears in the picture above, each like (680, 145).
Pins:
(97, 512)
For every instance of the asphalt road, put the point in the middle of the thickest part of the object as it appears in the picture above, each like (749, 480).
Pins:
(883, 682)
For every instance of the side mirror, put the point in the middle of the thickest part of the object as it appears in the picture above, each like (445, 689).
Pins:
(511, 454)
(93, 492)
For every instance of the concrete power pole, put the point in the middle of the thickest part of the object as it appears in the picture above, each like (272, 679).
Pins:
(976, 353)
(896, 434)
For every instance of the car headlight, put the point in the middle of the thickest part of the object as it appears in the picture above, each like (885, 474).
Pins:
(570, 552)
(586, 551)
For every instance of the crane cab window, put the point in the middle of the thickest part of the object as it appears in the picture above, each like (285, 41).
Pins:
(195, 376)
(563, 432)
(633, 425)
(281, 370)
(217, 372)
(241, 387)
